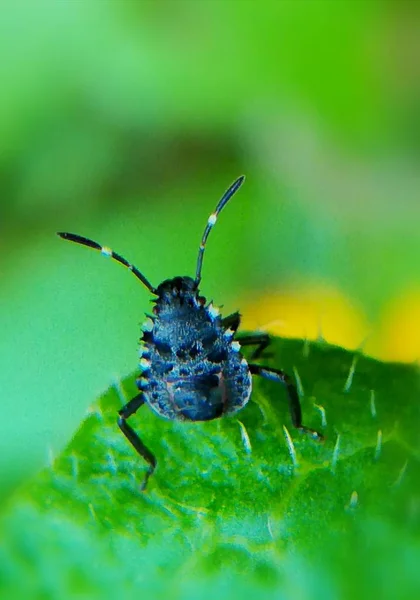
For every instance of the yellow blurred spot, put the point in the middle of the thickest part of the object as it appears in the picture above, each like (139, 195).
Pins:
(312, 312)
(398, 337)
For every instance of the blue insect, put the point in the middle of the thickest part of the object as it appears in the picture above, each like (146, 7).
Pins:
(191, 364)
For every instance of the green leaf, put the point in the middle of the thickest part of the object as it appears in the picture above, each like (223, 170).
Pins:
(234, 511)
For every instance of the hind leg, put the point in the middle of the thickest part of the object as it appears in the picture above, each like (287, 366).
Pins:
(294, 403)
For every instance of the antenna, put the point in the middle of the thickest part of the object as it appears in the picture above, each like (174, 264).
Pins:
(78, 239)
(212, 221)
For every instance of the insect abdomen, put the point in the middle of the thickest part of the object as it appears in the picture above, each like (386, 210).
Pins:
(198, 392)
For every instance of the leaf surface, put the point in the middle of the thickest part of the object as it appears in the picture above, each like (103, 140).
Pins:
(234, 510)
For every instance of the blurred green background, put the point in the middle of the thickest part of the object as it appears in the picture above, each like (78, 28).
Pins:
(125, 121)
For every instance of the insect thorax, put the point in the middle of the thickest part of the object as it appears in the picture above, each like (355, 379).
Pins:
(192, 371)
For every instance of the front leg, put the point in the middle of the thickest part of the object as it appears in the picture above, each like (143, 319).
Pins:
(232, 321)
(294, 404)
(262, 340)
(126, 411)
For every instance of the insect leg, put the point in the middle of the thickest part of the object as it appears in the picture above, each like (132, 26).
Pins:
(232, 321)
(294, 404)
(261, 340)
(129, 409)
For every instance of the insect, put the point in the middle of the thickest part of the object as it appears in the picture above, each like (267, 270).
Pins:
(192, 368)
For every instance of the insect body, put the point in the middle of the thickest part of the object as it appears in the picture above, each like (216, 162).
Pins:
(192, 366)
(192, 369)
